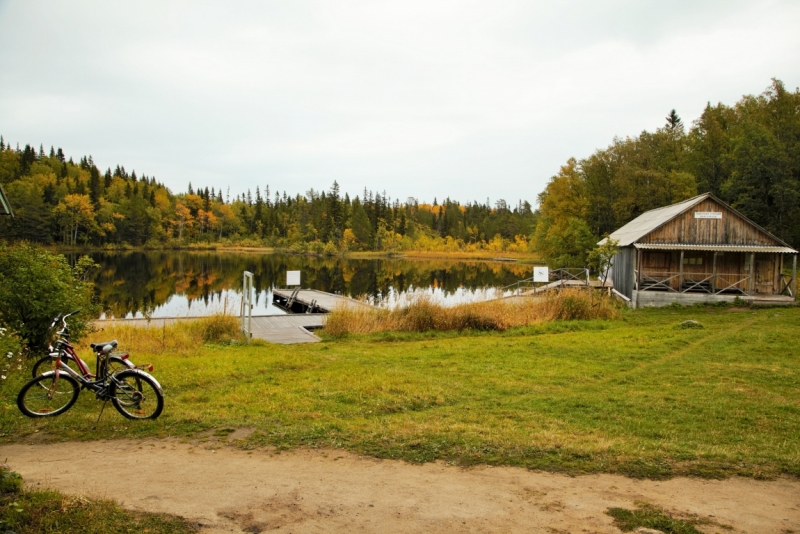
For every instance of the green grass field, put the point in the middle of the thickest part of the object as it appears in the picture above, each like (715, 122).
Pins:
(635, 396)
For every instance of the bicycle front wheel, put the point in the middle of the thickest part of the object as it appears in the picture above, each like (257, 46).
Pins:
(48, 396)
(136, 395)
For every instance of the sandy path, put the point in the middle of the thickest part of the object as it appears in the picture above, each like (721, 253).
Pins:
(230, 490)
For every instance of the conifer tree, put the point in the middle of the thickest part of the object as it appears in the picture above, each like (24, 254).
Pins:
(674, 121)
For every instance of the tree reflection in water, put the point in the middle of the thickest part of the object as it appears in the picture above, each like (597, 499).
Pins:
(169, 283)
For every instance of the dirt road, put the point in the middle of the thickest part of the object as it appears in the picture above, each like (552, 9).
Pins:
(231, 490)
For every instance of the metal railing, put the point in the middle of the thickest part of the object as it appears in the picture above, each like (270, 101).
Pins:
(712, 283)
(557, 278)
(247, 305)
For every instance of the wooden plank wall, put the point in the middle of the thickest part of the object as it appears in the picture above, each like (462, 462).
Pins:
(732, 229)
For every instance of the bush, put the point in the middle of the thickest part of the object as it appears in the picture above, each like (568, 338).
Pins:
(35, 286)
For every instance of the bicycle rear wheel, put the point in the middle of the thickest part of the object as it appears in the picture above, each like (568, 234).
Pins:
(136, 395)
(47, 363)
(48, 396)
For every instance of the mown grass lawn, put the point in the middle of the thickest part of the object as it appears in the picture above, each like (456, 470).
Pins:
(636, 396)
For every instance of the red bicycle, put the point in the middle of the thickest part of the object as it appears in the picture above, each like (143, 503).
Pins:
(116, 362)
(133, 392)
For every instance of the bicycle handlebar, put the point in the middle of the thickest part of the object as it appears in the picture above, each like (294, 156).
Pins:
(63, 319)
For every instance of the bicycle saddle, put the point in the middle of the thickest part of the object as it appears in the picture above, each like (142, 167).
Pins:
(99, 346)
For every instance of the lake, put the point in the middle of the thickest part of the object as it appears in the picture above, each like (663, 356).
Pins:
(183, 284)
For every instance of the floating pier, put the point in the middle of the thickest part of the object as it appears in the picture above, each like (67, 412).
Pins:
(312, 301)
(306, 312)
(283, 329)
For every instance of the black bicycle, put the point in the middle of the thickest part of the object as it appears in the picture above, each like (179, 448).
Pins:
(133, 392)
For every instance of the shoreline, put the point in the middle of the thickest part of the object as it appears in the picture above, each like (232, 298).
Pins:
(508, 257)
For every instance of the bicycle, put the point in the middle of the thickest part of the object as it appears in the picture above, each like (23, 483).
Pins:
(116, 362)
(133, 392)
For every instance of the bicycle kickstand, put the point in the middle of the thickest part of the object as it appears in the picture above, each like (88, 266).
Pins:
(101, 414)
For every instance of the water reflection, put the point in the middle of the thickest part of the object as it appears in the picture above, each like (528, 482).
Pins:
(174, 284)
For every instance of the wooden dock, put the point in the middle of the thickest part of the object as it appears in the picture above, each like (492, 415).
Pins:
(282, 329)
(312, 301)
(287, 329)
(558, 284)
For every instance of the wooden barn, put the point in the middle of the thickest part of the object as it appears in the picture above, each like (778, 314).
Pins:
(701, 250)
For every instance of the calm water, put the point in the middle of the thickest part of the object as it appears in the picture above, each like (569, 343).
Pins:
(180, 284)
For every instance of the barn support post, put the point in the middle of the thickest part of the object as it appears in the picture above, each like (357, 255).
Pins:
(638, 269)
(638, 276)
(752, 273)
(714, 275)
(680, 278)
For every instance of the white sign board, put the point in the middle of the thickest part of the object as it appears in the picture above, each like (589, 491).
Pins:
(708, 215)
(541, 274)
(292, 278)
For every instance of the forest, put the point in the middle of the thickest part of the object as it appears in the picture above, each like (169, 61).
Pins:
(58, 201)
(747, 154)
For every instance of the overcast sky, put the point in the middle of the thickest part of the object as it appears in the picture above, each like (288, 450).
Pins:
(426, 99)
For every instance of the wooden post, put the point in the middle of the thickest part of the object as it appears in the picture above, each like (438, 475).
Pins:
(752, 273)
(638, 268)
(714, 275)
(794, 277)
(680, 279)
(638, 276)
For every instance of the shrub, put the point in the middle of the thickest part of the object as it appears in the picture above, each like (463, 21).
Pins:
(35, 286)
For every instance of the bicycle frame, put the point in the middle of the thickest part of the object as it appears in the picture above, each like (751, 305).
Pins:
(133, 392)
(95, 382)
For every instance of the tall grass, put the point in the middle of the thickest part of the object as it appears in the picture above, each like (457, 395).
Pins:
(423, 314)
(179, 337)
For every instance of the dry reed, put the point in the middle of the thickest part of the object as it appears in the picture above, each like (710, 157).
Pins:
(178, 337)
(423, 314)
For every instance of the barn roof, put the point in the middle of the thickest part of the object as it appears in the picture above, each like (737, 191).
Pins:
(717, 248)
(651, 220)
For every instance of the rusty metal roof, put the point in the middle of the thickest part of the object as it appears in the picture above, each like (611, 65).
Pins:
(717, 248)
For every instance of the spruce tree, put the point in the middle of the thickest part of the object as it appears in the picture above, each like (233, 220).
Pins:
(94, 186)
(674, 121)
